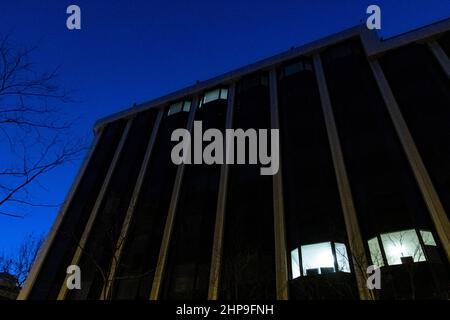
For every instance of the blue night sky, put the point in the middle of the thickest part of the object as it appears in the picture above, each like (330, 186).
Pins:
(133, 51)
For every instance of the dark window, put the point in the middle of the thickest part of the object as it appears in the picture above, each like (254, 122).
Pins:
(189, 257)
(97, 254)
(422, 91)
(248, 262)
(141, 248)
(49, 282)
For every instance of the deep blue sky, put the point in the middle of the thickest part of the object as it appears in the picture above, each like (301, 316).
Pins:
(133, 51)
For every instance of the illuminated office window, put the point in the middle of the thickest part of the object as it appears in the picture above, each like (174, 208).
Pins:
(295, 264)
(187, 106)
(402, 246)
(224, 94)
(375, 252)
(342, 257)
(213, 95)
(319, 258)
(175, 108)
(427, 238)
(180, 106)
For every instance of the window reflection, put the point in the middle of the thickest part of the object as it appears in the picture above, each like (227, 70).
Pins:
(180, 106)
(319, 258)
(401, 247)
(295, 264)
(213, 95)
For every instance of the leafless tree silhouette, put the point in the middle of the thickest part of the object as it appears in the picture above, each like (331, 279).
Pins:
(19, 264)
(34, 132)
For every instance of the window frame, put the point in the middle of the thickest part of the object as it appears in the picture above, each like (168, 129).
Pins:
(301, 273)
(423, 246)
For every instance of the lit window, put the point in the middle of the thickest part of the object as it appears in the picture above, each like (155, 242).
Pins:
(375, 252)
(179, 106)
(175, 108)
(319, 258)
(402, 247)
(187, 106)
(224, 94)
(213, 95)
(427, 238)
(342, 257)
(295, 264)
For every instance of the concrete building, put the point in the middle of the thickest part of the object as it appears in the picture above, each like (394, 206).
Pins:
(364, 180)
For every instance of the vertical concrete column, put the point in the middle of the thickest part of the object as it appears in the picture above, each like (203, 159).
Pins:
(216, 260)
(282, 280)
(355, 240)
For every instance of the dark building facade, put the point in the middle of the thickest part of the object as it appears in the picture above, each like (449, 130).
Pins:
(364, 180)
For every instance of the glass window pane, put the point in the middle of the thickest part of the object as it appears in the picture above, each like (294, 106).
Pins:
(342, 257)
(293, 68)
(422, 89)
(317, 258)
(224, 93)
(295, 264)
(187, 106)
(174, 108)
(211, 96)
(427, 238)
(375, 252)
(402, 244)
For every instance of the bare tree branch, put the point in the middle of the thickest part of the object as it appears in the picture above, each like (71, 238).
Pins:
(19, 264)
(32, 125)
